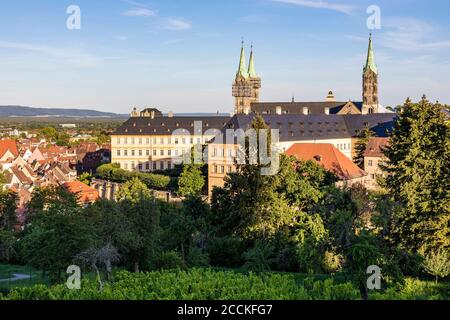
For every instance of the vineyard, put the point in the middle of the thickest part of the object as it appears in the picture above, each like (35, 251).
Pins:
(208, 284)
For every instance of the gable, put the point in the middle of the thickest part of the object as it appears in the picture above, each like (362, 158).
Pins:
(349, 108)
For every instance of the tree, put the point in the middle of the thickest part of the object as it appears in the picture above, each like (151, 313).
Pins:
(8, 219)
(361, 146)
(437, 264)
(133, 191)
(191, 181)
(85, 178)
(418, 178)
(56, 235)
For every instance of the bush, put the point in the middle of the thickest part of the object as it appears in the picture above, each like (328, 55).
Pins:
(286, 260)
(332, 262)
(168, 260)
(259, 257)
(226, 252)
(154, 181)
(196, 258)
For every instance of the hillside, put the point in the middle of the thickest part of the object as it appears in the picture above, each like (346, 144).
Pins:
(20, 111)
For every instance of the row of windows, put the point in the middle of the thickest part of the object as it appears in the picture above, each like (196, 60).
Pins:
(344, 146)
(162, 141)
(147, 166)
(147, 153)
(222, 169)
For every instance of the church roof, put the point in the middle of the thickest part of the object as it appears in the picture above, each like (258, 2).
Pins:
(251, 68)
(297, 107)
(370, 63)
(242, 69)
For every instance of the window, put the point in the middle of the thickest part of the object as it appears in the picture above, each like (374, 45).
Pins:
(176, 152)
(154, 165)
(184, 140)
(140, 166)
(140, 153)
(154, 141)
(161, 152)
(161, 165)
(155, 152)
(229, 169)
(169, 140)
(370, 163)
(147, 141)
(133, 153)
(147, 166)
(147, 153)
(169, 165)
(118, 153)
(125, 141)
(176, 140)
(214, 152)
(133, 165)
(125, 165)
(161, 141)
(132, 141)
(199, 140)
(214, 169)
(125, 153)
(140, 140)
(222, 169)
(118, 140)
(169, 152)
(192, 140)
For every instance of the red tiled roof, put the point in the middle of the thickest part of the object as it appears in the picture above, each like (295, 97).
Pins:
(10, 145)
(85, 193)
(375, 146)
(329, 157)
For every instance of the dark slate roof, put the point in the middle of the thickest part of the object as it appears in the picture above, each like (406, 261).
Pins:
(312, 127)
(297, 107)
(167, 125)
(380, 123)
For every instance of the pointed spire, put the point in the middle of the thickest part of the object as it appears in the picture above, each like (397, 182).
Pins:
(370, 64)
(242, 71)
(251, 66)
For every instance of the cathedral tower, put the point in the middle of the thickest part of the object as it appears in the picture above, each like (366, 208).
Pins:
(246, 84)
(370, 83)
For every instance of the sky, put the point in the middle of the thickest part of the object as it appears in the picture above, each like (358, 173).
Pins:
(182, 55)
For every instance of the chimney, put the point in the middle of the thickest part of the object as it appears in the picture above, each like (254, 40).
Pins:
(170, 114)
(327, 110)
(305, 111)
(330, 97)
(278, 110)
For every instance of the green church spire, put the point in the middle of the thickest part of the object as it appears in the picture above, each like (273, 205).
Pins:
(251, 67)
(370, 64)
(242, 71)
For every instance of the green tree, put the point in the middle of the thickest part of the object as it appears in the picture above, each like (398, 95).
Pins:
(418, 178)
(133, 191)
(58, 233)
(85, 178)
(8, 219)
(437, 264)
(191, 181)
(361, 146)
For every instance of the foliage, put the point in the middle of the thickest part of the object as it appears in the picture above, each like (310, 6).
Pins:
(418, 178)
(191, 181)
(259, 258)
(226, 252)
(437, 263)
(361, 146)
(168, 260)
(85, 178)
(112, 172)
(133, 191)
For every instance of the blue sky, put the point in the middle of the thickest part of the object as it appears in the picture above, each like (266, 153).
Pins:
(182, 55)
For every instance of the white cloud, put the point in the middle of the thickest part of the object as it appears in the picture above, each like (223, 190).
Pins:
(71, 56)
(409, 34)
(320, 4)
(178, 24)
(140, 12)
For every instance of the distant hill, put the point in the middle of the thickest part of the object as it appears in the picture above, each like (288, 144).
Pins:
(20, 111)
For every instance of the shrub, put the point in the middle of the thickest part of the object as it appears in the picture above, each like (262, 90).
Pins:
(225, 252)
(259, 257)
(286, 260)
(196, 258)
(168, 260)
(332, 262)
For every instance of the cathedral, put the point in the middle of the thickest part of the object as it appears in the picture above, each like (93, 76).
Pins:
(247, 85)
